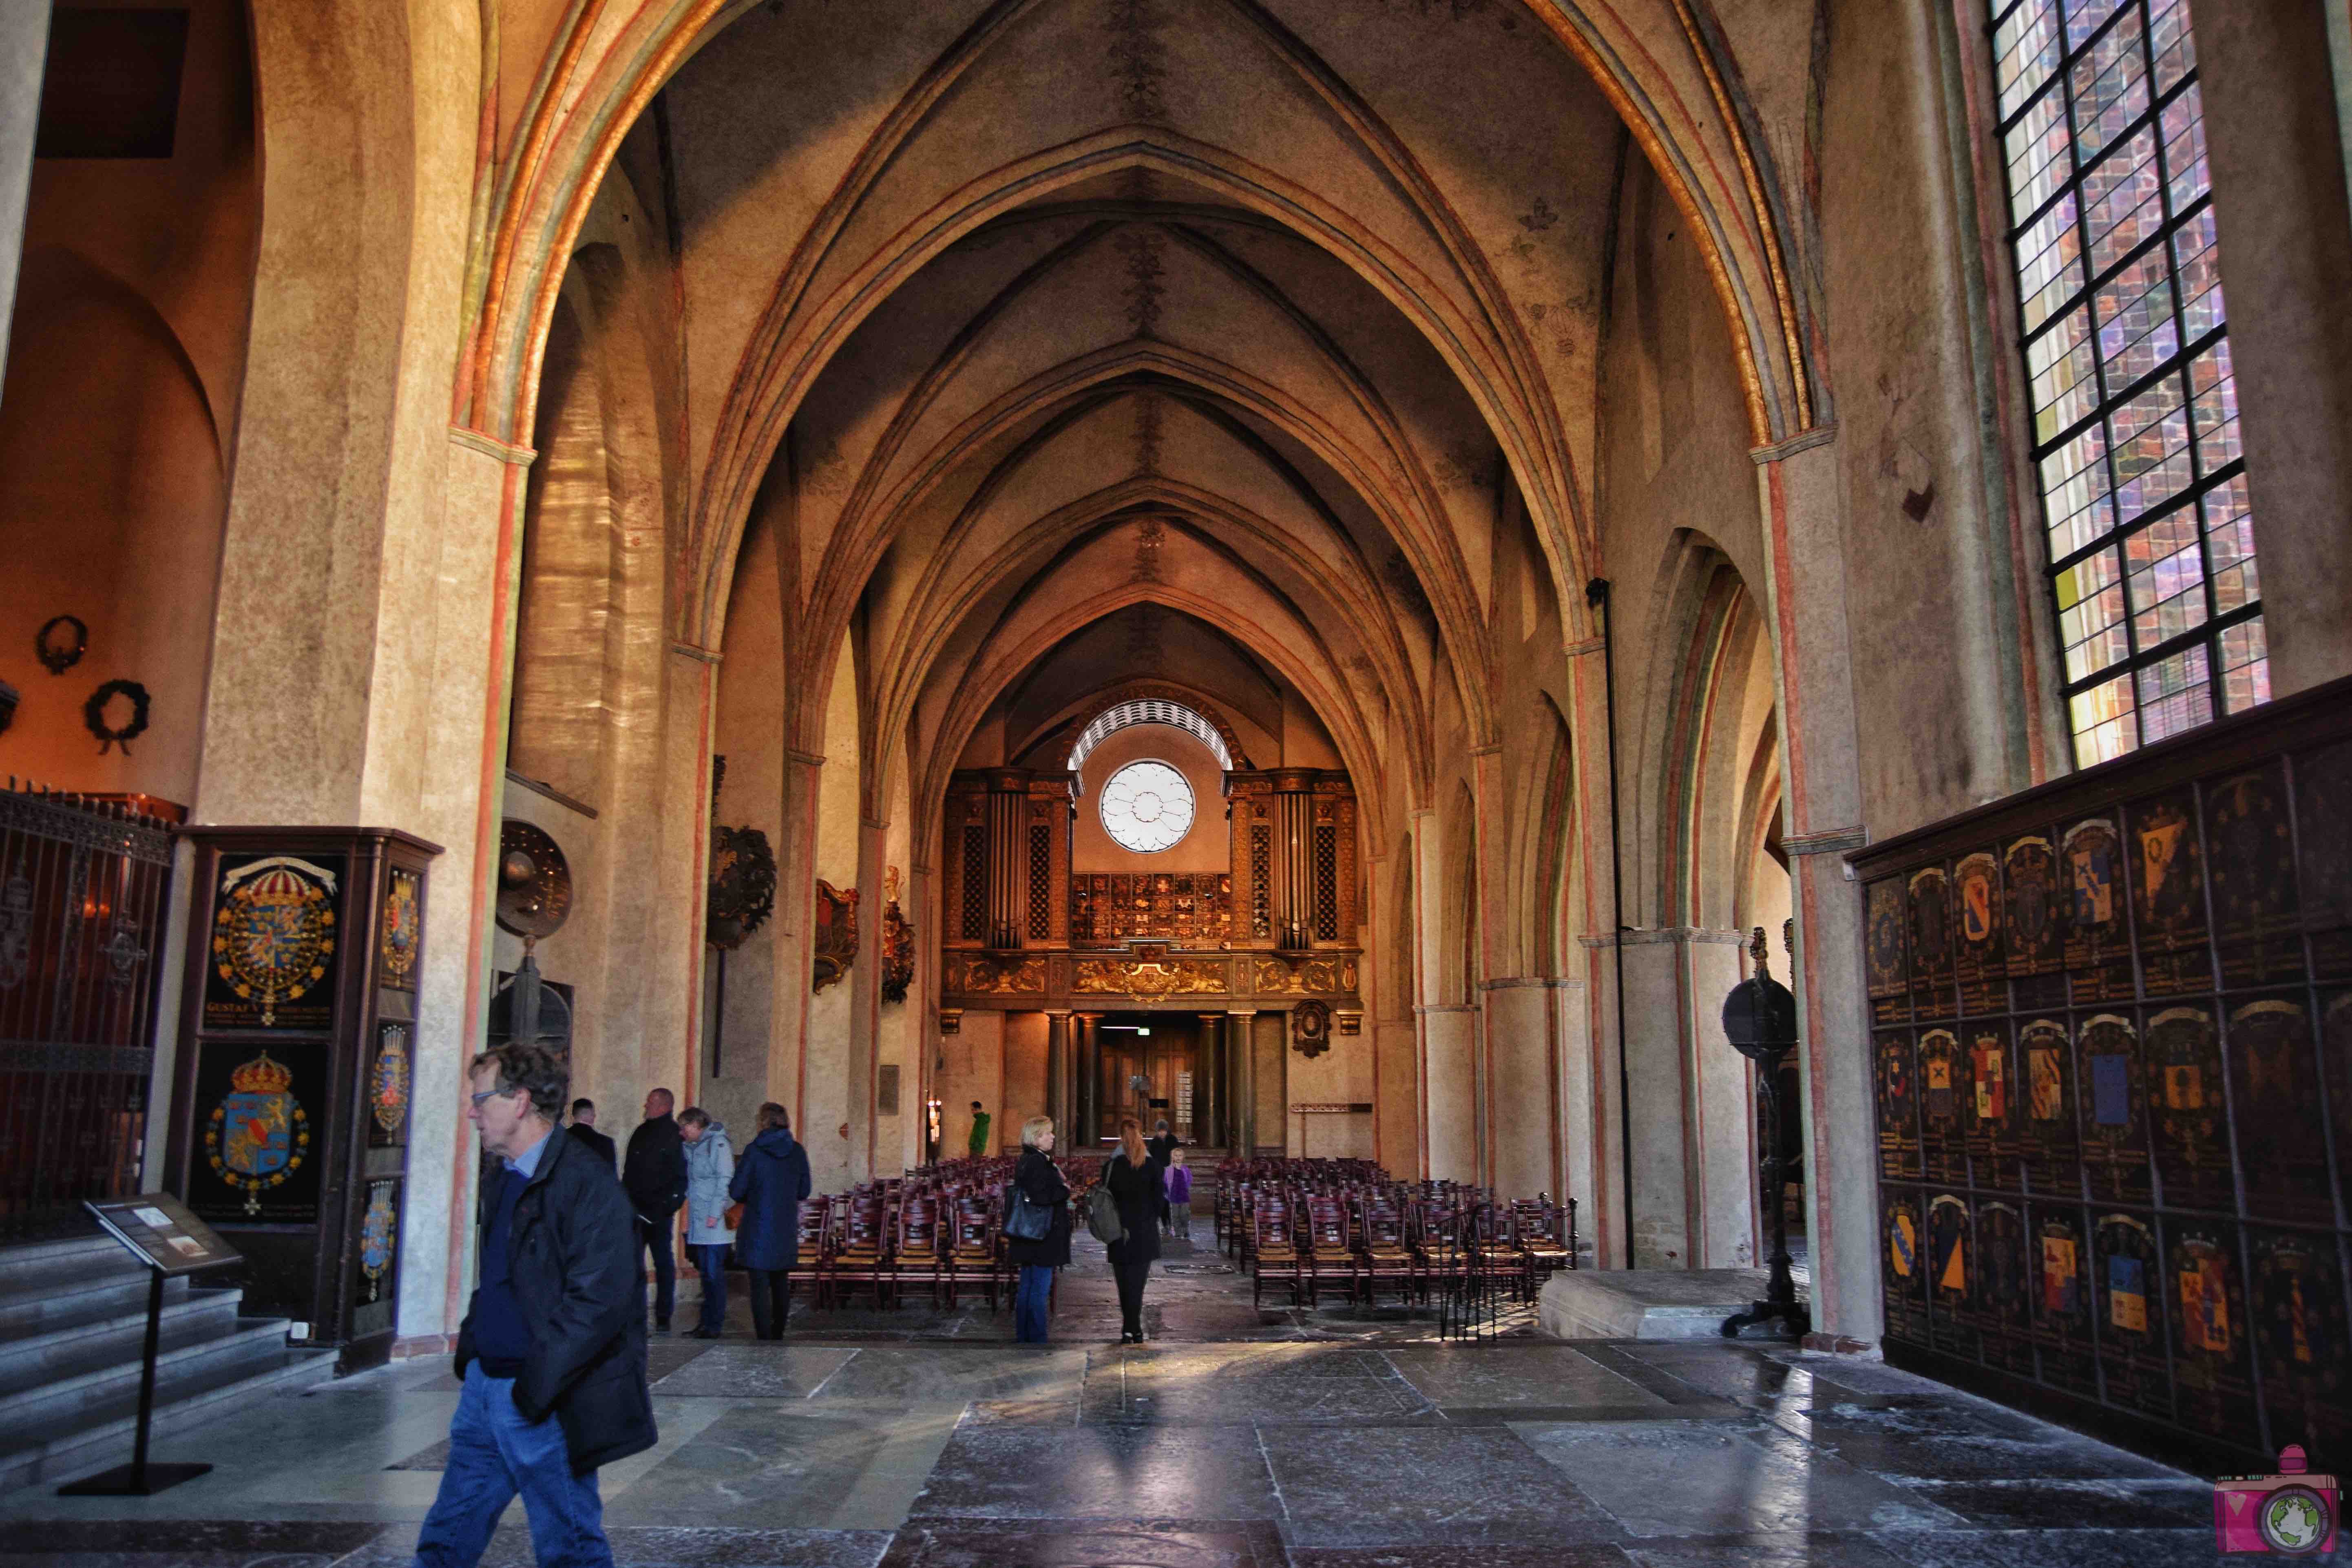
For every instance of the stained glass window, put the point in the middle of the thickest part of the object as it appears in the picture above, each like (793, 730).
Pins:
(1147, 807)
(2134, 410)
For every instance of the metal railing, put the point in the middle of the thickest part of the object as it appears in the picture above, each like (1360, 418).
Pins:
(85, 885)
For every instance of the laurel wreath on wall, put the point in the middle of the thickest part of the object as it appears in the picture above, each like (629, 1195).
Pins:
(93, 714)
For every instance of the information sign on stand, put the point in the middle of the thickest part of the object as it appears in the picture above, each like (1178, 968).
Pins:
(158, 1230)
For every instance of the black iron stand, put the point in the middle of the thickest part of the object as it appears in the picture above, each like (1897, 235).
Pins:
(140, 1479)
(1781, 1292)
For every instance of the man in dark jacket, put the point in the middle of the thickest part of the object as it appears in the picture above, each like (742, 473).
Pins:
(553, 1350)
(654, 1175)
(584, 1127)
(1161, 1145)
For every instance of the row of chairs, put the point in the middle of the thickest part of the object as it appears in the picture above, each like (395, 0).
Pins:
(939, 1230)
(1359, 1234)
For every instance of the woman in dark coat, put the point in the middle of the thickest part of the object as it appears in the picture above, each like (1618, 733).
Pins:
(1041, 1185)
(770, 1180)
(1133, 1177)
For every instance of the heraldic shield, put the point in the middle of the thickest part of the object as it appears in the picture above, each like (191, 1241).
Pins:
(259, 1134)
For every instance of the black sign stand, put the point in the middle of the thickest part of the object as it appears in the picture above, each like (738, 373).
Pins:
(1759, 1018)
(179, 1244)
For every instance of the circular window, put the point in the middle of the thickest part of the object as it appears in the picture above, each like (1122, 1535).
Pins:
(1147, 807)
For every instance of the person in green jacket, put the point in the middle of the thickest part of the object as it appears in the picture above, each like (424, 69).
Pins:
(979, 1131)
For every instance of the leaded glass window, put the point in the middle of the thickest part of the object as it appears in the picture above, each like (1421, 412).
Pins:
(1147, 807)
(2135, 437)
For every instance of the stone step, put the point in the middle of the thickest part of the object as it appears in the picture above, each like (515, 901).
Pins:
(97, 1367)
(32, 1357)
(53, 1284)
(100, 1435)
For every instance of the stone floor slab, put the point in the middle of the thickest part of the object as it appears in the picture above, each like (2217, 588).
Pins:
(1415, 1485)
(1096, 1472)
(755, 1372)
(1707, 1478)
(1084, 1543)
(1530, 1374)
(1948, 1436)
(1763, 1549)
(766, 1465)
(2054, 1548)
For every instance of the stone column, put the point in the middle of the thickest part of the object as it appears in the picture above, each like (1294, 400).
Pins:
(1085, 1111)
(24, 54)
(1693, 1149)
(1800, 489)
(2285, 244)
(1240, 1052)
(1491, 873)
(1057, 1067)
(1448, 1029)
(1525, 1020)
(1208, 1081)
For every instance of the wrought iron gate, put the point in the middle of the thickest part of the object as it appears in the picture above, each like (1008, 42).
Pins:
(84, 885)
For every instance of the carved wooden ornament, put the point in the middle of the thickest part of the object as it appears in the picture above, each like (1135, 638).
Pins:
(837, 933)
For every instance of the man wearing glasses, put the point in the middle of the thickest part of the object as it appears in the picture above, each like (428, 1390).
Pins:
(553, 1350)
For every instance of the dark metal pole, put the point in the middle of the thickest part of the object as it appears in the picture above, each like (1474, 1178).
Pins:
(147, 1382)
(1596, 593)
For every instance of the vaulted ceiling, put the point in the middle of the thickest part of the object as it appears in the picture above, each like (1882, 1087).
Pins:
(1014, 316)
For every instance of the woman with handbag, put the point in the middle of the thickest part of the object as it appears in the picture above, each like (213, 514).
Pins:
(1132, 1177)
(1037, 1189)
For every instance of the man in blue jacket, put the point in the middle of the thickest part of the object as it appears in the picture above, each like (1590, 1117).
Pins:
(553, 1350)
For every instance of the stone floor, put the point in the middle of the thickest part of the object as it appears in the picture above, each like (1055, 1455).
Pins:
(1238, 1438)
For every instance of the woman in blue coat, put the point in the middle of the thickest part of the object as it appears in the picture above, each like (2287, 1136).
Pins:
(770, 1180)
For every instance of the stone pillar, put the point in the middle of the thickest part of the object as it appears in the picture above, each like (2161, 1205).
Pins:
(1448, 1030)
(2285, 242)
(1800, 489)
(788, 1066)
(1489, 869)
(1692, 1132)
(24, 54)
(1240, 1052)
(1057, 1067)
(1084, 1109)
(1525, 1019)
(1208, 1082)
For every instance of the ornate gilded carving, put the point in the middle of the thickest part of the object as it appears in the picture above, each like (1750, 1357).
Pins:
(1169, 977)
(1328, 976)
(1310, 1029)
(837, 933)
(1014, 976)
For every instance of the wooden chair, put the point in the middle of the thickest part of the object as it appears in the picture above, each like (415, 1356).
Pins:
(1273, 1255)
(861, 1253)
(977, 1243)
(1330, 1263)
(1387, 1260)
(918, 1249)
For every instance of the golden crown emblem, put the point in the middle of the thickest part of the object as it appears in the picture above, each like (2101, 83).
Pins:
(261, 1075)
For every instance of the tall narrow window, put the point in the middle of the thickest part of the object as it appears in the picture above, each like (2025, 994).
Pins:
(2127, 368)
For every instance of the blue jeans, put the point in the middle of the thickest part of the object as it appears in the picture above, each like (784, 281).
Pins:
(494, 1453)
(1029, 1303)
(712, 1263)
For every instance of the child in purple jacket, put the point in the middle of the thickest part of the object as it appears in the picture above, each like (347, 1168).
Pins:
(1178, 1181)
